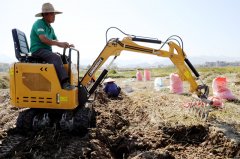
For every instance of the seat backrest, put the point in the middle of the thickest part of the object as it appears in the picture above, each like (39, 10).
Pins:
(21, 45)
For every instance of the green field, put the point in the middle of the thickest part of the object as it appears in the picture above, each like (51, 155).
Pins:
(206, 73)
(165, 71)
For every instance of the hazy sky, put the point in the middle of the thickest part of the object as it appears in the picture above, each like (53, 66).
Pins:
(207, 27)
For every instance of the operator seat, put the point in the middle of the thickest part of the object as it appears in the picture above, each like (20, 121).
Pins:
(21, 47)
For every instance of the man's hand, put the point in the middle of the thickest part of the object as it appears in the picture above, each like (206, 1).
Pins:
(71, 45)
(64, 45)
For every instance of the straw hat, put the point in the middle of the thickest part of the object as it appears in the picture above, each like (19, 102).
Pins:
(109, 80)
(47, 8)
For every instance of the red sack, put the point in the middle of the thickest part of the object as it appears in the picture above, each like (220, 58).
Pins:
(147, 75)
(176, 84)
(220, 89)
(139, 76)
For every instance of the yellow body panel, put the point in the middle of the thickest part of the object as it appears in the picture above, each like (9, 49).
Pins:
(35, 85)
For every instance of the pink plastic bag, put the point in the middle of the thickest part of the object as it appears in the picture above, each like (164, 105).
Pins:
(147, 75)
(220, 89)
(176, 84)
(217, 102)
(139, 76)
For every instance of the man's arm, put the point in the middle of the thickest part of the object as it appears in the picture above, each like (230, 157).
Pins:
(47, 41)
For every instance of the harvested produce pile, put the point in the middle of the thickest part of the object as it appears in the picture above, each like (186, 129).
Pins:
(142, 124)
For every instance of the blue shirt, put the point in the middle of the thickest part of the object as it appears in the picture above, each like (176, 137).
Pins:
(112, 89)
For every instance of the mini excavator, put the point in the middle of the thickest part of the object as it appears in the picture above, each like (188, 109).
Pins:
(34, 84)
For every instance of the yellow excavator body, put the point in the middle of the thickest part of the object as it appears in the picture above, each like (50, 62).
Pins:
(36, 85)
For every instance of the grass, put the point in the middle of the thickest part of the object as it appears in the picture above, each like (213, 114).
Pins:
(220, 70)
(4, 80)
(131, 73)
(207, 73)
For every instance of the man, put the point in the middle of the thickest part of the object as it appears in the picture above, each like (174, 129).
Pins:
(111, 88)
(43, 38)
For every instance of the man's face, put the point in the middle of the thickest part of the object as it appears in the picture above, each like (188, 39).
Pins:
(49, 17)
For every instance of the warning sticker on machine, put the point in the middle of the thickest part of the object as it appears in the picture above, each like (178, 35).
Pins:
(11, 72)
(187, 74)
(63, 99)
(95, 66)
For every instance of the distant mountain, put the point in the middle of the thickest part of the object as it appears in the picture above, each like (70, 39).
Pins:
(195, 60)
(148, 62)
(202, 59)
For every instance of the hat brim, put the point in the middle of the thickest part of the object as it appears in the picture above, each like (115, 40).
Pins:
(40, 14)
(109, 80)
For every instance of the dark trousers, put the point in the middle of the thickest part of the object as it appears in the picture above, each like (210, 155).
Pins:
(54, 59)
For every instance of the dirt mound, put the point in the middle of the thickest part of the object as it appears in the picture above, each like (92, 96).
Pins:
(136, 125)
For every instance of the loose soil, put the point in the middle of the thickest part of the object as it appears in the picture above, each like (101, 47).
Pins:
(141, 123)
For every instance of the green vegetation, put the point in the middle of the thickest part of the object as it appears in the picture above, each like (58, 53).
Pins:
(165, 71)
(206, 73)
(131, 73)
(4, 81)
(4, 67)
(220, 70)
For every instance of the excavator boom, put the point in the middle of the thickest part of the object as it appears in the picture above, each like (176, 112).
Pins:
(114, 47)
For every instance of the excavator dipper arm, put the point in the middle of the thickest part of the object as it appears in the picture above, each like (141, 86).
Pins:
(175, 53)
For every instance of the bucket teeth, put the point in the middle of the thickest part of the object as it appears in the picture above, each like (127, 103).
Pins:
(199, 108)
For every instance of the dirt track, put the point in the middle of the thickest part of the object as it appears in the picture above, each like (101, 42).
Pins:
(143, 124)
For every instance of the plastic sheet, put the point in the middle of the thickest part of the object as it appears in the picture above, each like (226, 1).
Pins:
(158, 83)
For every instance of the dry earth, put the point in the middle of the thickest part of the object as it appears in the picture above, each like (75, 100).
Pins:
(141, 124)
